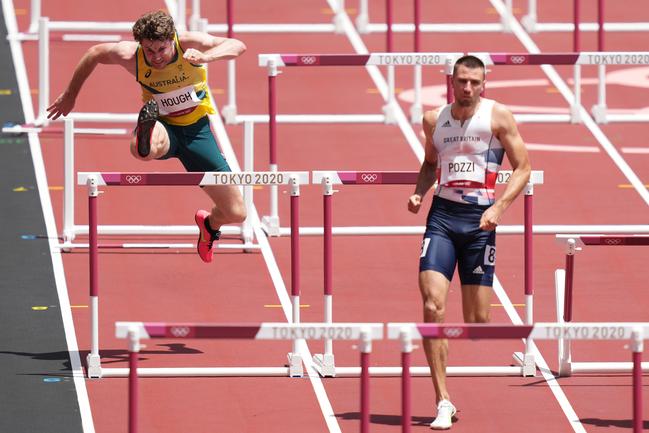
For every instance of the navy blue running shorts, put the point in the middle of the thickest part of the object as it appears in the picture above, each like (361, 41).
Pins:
(453, 236)
(195, 146)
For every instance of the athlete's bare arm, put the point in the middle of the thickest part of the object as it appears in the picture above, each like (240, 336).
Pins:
(427, 173)
(505, 129)
(202, 47)
(120, 53)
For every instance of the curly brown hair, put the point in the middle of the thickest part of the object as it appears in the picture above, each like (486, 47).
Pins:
(156, 26)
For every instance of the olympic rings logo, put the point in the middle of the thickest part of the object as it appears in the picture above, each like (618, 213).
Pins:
(369, 177)
(517, 60)
(308, 60)
(613, 241)
(133, 178)
(179, 331)
(453, 332)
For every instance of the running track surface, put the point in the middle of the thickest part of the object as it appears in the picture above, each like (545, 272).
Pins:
(371, 282)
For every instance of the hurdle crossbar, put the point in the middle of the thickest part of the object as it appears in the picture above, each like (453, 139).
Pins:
(71, 229)
(326, 361)
(135, 331)
(134, 179)
(636, 333)
(564, 283)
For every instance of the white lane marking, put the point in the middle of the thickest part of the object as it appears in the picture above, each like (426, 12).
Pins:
(562, 148)
(43, 192)
(554, 386)
(588, 121)
(278, 282)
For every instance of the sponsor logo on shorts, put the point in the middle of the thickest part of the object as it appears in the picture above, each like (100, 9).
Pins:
(478, 270)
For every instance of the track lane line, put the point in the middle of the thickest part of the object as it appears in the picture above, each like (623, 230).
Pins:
(554, 386)
(587, 120)
(85, 412)
(405, 126)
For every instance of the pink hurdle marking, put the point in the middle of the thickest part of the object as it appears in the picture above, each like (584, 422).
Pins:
(493, 331)
(271, 331)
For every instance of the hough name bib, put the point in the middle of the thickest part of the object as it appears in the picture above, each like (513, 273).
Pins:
(177, 102)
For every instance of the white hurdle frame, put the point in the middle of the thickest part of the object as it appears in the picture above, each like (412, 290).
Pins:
(135, 331)
(71, 229)
(532, 25)
(635, 333)
(563, 280)
(325, 362)
(93, 180)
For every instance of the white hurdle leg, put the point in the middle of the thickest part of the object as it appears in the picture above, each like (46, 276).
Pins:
(247, 232)
(93, 362)
(68, 185)
(43, 70)
(229, 112)
(529, 20)
(564, 344)
(325, 363)
(599, 110)
(294, 358)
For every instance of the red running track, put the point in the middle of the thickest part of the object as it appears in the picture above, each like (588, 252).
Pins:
(371, 283)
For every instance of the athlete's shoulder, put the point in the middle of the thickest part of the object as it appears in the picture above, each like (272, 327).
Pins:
(431, 116)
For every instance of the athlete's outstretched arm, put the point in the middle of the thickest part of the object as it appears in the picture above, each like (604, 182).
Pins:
(204, 48)
(120, 53)
(427, 172)
(505, 129)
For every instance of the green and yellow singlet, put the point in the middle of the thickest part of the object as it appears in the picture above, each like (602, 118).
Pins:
(180, 88)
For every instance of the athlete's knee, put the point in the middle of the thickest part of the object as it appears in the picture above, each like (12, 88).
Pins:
(434, 309)
(478, 317)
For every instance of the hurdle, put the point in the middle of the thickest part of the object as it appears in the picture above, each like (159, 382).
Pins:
(326, 362)
(95, 180)
(635, 333)
(564, 299)
(532, 25)
(363, 24)
(135, 331)
(272, 62)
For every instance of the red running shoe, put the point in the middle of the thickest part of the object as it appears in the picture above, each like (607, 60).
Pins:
(206, 236)
(145, 122)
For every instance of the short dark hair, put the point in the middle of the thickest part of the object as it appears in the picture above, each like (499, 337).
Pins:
(471, 62)
(156, 26)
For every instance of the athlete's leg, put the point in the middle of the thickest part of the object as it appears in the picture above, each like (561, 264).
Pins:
(159, 144)
(434, 287)
(228, 205)
(476, 303)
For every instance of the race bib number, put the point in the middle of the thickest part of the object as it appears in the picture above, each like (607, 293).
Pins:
(177, 102)
(490, 255)
(462, 171)
(424, 247)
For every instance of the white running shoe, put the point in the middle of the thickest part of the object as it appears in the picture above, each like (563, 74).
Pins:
(445, 412)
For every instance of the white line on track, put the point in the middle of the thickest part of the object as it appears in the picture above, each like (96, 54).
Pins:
(558, 82)
(587, 120)
(50, 225)
(554, 386)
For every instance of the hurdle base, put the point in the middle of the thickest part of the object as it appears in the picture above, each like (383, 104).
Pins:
(605, 367)
(93, 366)
(270, 225)
(599, 113)
(417, 371)
(325, 364)
(389, 112)
(229, 113)
(200, 372)
(295, 365)
(526, 361)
